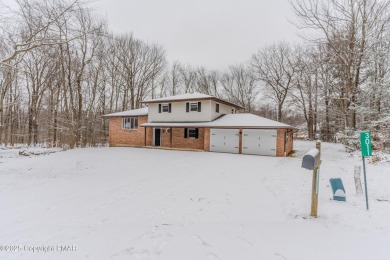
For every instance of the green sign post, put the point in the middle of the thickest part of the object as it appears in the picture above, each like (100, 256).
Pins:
(366, 143)
(366, 146)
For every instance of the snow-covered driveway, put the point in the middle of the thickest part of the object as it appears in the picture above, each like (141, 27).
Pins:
(129, 203)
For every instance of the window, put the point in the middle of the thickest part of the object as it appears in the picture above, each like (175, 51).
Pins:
(165, 108)
(193, 106)
(191, 133)
(233, 111)
(129, 122)
(217, 108)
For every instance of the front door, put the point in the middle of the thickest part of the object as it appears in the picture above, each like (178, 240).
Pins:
(157, 136)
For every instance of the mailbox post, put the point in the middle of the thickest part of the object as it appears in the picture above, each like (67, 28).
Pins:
(312, 161)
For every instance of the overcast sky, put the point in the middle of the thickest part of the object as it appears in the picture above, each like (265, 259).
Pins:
(213, 33)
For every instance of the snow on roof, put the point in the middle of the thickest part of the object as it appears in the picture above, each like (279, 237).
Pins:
(229, 121)
(249, 120)
(135, 112)
(186, 96)
(189, 96)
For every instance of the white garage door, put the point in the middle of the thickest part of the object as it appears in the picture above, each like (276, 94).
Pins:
(224, 140)
(259, 141)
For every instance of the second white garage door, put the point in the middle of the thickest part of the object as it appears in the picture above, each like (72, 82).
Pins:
(259, 141)
(224, 140)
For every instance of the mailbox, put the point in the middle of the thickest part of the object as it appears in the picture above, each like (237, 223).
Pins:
(311, 159)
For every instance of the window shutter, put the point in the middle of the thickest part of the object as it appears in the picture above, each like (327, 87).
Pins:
(187, 107)
(159, 108)
(199, 106)
(196, 133)
(185, 131)
(170, 107)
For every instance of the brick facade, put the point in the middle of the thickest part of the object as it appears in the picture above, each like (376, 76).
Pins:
(126, 137)
(283, 149)
(174, 137)
(165, 137)
(290, 142)
(149, 136)
(206, 145)
(178, 140)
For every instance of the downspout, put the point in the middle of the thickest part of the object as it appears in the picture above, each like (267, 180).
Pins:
(145, 135)
(285, 142)
(170, 137)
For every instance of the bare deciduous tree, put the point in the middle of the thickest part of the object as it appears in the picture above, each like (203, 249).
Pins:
(348, 29)
(275, 67)
(32, 24)
(240, 86)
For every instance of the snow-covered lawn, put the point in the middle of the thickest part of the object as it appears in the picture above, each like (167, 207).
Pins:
(129, 203)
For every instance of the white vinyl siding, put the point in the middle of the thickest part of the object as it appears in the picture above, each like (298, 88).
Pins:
(179, 114)
(223, 110)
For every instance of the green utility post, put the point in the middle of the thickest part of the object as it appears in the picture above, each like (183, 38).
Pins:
(366, 145)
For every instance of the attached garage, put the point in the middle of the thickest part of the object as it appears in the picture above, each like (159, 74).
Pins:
(225, 140)
(259, 141)
(232, 133)
(250, 134)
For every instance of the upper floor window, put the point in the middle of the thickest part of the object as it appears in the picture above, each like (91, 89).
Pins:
(217, 108)
(165, 108)
(193, 106)
(130, 122)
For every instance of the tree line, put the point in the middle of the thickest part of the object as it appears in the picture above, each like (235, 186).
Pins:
(61, 70)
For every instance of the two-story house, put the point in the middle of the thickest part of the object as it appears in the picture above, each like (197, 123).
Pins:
(199, 122)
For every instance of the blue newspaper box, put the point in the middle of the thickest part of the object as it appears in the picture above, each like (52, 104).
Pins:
(338, 189)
